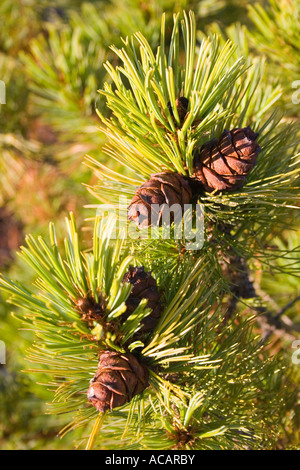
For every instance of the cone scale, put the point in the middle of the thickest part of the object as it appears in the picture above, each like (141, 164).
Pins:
(156, 196)
(223, 164)
(118, 379)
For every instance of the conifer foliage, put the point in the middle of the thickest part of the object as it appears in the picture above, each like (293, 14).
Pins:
(143, 339)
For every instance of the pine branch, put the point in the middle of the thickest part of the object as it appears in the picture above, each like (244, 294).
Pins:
(55, 314)
(224, 93)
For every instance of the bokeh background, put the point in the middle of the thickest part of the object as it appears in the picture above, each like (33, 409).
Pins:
(51, 61)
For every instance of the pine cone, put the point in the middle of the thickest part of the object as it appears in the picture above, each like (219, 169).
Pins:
(164, 189)
(144, 287)
(91, 310)
(118, 379)
(182, 104)
(224, 163)
(236, 271)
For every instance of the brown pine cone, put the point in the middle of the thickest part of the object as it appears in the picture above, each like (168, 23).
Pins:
(224, 163)
(182, 104)
(144, 287)
(236, 271)
(118, 379)
(164, 189)
(91, 310)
